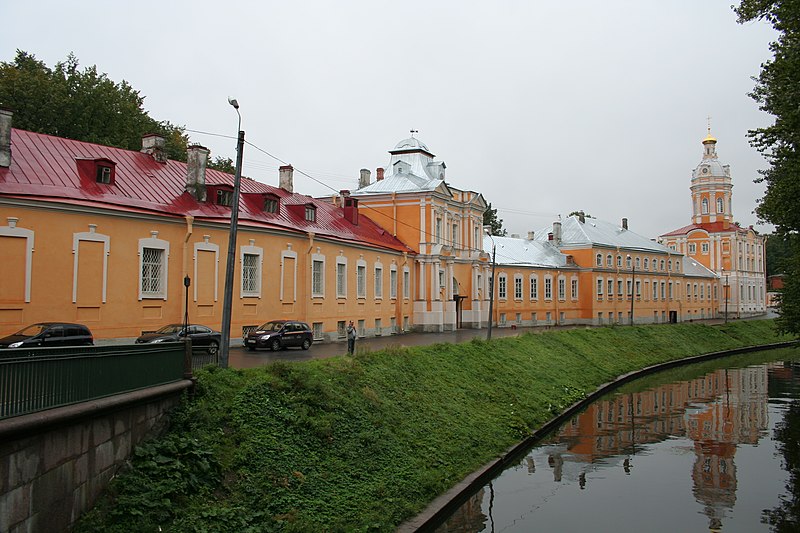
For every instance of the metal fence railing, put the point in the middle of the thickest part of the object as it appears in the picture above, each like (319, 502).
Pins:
(42, 378)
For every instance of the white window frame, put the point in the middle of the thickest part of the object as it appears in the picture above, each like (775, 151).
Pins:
(406, 283)
(600, 285)
(518, 287)
(393, 282)
(258, 252)
(341, 280)
(548, 288)
(502, 287)
(574, 288)
(154, 243)
(534, 287)
(562, 288)
(288, 254)
(361, 279)
(378, 272)
(317, 276)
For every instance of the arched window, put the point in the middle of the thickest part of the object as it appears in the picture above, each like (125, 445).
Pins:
(720, 205)
(628, 262)
(646, 263)
(609, 261)
(599, 260)
(705, 206)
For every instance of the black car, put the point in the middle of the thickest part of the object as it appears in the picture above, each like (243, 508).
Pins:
(48, 334)
(200, 335)
(279, 334)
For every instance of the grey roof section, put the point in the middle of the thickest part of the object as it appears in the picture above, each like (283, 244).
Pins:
(595, 232)
(410, 169)
(695, 269)
(512, 251)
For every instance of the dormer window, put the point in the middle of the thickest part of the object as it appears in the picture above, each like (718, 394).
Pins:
(100, 170)
(311, 213)
(270, 204)
(104, 174)
(224, 197)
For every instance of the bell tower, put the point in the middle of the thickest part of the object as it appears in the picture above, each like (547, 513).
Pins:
(711, 187)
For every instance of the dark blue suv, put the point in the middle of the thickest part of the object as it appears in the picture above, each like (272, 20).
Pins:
(279, 334)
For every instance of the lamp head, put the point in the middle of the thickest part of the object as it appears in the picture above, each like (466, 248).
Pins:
(233, 102)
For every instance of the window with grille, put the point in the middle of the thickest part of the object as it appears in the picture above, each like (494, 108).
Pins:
(317, 284)
(562, 289)
(341, 329)
(548, 289)
(361, 281)
(270, 205)
(316, 329)
(341, 280)
(534, 288)
(378, 282)
(517, 287)
(311, 213)
(501, 286)
(152, 272)
(250, 274)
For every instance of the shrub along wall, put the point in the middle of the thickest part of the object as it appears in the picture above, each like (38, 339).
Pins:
(362, 443)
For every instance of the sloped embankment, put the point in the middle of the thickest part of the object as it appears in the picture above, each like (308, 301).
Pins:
(360, 444)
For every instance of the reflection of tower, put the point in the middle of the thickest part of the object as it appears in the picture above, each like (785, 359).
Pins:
(733, 418)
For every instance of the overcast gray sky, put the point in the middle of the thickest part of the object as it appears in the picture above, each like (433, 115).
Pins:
(544, 107)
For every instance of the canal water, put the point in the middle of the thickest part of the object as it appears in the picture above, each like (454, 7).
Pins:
(708, 447)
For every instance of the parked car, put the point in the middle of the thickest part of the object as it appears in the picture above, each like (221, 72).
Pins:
(48, 334)
(200, 335)
(279, 334)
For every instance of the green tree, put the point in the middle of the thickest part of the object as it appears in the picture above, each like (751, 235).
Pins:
(579, 213)
(223, 164)
(776, 93)
(490, 219)
(81, 104)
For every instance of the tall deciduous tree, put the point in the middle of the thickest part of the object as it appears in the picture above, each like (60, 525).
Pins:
(490, 219)
(81, 104)
(777, 93)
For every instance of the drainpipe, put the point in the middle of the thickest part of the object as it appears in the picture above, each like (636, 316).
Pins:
(186, 252)
(309, 278)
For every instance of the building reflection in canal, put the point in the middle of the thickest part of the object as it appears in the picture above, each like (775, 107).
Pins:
(716, 413)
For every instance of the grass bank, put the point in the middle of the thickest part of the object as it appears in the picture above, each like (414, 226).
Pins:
(362, 443)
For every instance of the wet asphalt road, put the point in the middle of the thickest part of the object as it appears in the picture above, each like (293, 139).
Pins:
(240, 357)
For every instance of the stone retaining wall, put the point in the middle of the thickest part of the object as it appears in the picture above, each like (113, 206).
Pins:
(54, 464)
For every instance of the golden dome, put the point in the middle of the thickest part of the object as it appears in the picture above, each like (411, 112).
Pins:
(709, 139)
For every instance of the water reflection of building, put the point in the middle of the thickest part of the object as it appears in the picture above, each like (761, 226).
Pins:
(468, 517)
(717, 412)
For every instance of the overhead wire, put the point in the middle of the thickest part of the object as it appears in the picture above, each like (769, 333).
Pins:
(322, 183)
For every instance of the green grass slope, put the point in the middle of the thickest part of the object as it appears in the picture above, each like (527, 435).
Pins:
(362, 443)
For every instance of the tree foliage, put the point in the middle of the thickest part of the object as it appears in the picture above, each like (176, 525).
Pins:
(776, 93)
(490, 219)
(81, 104)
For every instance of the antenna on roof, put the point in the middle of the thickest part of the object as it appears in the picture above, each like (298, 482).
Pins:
(413, 131)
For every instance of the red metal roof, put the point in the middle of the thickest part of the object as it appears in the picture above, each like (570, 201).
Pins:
(710, 227)
(45, 167)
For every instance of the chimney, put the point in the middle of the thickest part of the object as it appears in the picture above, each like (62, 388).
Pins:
(557, 233)
(531, 235)
(196, 171)
(515, 235)
(350, 207)
(286, 178)
(5, 137)
(153, 144)
(363, 179)
(582, 217)
(379, 172)
(624, 223)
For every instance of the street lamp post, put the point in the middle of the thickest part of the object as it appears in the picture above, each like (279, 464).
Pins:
(726, 295)
(491, 288)
(187, 281)
(225, 341)
(633, 286)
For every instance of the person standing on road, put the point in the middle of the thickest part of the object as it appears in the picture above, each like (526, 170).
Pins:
(351, 338)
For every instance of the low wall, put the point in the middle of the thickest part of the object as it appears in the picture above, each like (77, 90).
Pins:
(55, 463)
